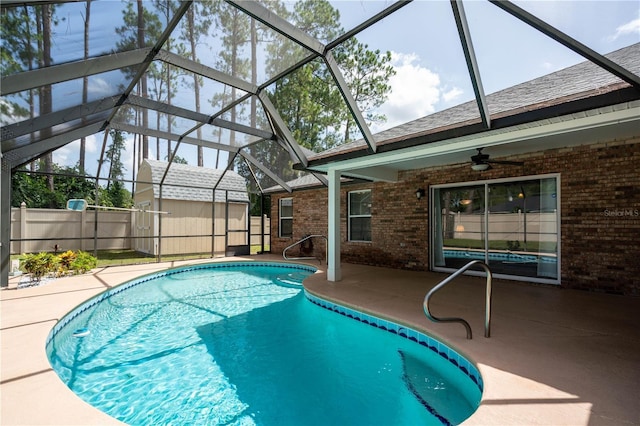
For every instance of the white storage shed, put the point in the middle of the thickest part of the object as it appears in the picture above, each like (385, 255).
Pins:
(194, 210)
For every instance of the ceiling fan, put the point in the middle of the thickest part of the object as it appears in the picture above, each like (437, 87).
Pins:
(481, 162)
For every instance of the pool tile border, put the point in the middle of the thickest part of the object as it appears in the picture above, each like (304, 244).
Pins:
(457, 360)
(71, 315)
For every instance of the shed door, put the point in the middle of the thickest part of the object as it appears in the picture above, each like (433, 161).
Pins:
(237, 229)
(144, 240)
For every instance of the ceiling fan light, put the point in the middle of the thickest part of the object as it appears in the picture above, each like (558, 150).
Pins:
(479, 167)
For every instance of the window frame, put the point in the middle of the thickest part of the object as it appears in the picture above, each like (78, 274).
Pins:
(354, 216)
(487, 183)
(282, 218)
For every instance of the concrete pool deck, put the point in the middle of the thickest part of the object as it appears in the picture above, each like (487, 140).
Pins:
(555, 356)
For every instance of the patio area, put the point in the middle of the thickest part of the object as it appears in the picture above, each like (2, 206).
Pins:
(555, 356)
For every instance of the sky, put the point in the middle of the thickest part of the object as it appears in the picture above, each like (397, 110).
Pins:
(431, 74)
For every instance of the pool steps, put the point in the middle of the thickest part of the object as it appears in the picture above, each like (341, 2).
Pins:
(459, 361)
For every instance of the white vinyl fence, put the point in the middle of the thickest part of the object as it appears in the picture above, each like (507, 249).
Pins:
(36, 230)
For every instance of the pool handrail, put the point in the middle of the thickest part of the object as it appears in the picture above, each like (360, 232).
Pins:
(284, 252)
(487, 319)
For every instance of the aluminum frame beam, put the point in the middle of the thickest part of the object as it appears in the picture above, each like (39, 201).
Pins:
(64, 72)
(470, 57)
(144, 65)
(266, 171)
(241, 128)
(369, 22)
(350, 100)
(281, 128)
(164, 108)
(569, 42)
(33, 150)
(278, 24)
(196, 116)
(129, 128)
(16, 3)
(42, 122)
(205, 71)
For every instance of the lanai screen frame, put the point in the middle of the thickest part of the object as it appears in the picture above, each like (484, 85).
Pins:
(16, 154)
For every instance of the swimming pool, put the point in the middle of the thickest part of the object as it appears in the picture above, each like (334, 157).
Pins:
(240, 343)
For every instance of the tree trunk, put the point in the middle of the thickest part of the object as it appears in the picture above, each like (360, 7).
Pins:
(46, 106)
(143, 80)
(196, 81)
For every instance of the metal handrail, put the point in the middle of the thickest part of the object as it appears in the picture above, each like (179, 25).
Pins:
(487, 319)
(284, 252)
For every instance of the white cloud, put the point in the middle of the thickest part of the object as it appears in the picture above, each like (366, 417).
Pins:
(64, 156)
(630, 28)
(99, 86)
(69, 155)
(452, 94)
(415, 91)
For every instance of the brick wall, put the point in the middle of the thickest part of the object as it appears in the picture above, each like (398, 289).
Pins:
(600, 214)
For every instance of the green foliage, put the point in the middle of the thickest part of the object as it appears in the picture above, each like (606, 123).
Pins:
(309, 100)
(32, 188)
(83, 262)
(65, 259)
(68, 262)
(39, 264)
(513, 246)
(177, 159)
(118, 195)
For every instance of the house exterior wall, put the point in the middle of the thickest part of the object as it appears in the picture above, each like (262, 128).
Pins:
(599, 206)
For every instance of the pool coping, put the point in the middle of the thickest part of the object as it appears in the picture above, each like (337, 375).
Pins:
(461, 363)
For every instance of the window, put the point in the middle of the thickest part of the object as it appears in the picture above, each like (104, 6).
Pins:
(510, 224)
(286, 217)
(360, 215)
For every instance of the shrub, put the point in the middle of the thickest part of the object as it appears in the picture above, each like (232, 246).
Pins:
(65, 260)
(39, 264)
(83, 262)
(44, 263)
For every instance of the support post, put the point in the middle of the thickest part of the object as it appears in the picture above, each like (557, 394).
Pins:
(333, 232)
(83, 220)
(23, 228)
(213, 223)
(5, 222)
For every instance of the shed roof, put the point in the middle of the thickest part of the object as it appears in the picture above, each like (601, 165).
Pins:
(190, 183)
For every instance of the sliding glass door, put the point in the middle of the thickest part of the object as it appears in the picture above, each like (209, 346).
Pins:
(461, 225)
(511, 224)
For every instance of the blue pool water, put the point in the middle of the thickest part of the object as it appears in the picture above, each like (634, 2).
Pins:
(230, 343)
(500, 257)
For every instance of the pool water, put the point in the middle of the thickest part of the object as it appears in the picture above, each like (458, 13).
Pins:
(241, 344)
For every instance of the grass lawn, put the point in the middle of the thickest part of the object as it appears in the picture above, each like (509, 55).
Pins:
(132, 257)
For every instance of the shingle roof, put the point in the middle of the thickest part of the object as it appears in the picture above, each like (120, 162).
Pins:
(579, 81)
(195, 183)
